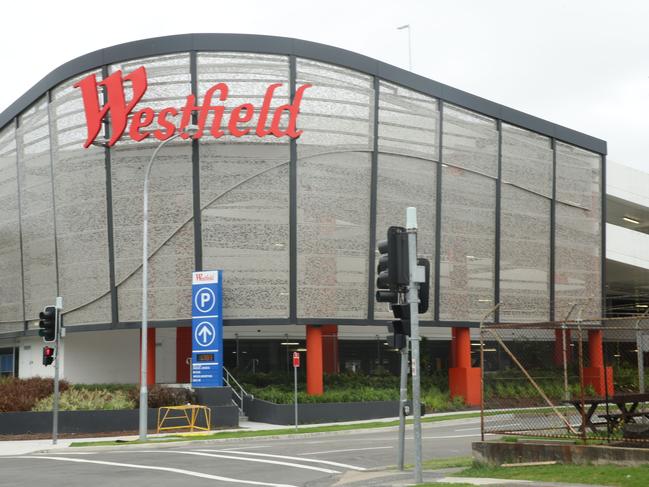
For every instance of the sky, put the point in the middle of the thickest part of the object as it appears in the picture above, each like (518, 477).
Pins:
(582, 64)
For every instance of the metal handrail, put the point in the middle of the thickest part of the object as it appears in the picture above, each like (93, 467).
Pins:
(230, 381)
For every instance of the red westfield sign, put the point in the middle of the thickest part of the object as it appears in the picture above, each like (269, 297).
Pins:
(120, 109)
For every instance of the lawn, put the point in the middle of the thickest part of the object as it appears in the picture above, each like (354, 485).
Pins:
(579, 474)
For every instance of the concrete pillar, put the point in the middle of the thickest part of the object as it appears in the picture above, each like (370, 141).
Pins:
(558, 347)
(330, 349)
(314, 363)
(463, 380)
(150, 356)
(597, 376)
(183, 353)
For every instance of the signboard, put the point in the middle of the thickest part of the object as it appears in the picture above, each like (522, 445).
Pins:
(207, 329)
(296, 359)
(244, 119)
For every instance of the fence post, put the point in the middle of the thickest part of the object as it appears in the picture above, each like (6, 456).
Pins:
(640, 347)
(581, 383)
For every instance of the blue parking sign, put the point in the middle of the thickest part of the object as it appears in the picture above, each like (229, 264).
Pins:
(207, 329)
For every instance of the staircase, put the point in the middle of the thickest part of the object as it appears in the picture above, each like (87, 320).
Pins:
(238, 392)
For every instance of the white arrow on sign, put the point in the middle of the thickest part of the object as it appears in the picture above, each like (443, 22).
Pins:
(205, 334)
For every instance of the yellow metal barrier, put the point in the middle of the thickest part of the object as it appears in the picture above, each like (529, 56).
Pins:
(190, 413)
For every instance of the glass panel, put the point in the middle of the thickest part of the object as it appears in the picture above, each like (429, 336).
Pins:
(408, 122)
(467, 245)
(578, 242)
(245, 193)
(171, 232)
(402, 182)
(527, 160)
(578, 176)
(525, 256)
(80, 203)
(470, 141)
(333, 191)
(37, 217)
(11, 297)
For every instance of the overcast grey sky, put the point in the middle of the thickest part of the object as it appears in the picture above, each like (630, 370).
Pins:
(583, 64)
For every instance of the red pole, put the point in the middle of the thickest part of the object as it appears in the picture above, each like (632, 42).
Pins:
(314, 365)
(595, 348)
(463, 348)
(150, 356)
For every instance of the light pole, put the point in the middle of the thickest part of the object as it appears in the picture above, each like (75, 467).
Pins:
(407, 26)
(190, 130)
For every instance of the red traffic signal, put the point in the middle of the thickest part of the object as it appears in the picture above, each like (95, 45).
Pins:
(48, 356)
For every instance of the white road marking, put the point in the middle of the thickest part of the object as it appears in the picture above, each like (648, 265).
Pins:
(468, 429)
(324, 462)
(245, 459)
(449, 436)
(349, 449)
(163, 469)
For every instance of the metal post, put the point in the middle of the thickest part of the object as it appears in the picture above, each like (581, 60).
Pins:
(640, 347)
(413, 301)
(57, 357)
(566, 392)
(145, 286)
(403, 399)
(407, 26)
(295, 392)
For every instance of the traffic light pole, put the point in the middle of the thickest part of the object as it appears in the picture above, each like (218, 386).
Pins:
(403, 399)
(413, 301)
(57, 357)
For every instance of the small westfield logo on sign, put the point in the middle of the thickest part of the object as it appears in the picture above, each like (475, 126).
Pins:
(238, 124)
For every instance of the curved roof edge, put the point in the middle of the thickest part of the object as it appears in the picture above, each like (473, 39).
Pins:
(306, 49)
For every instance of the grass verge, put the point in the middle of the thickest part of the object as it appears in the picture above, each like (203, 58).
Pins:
(277, 432)
(578, 474)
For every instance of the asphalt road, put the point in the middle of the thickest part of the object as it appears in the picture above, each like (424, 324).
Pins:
(348, 458)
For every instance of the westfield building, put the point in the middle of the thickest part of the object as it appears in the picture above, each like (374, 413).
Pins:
(300, 157)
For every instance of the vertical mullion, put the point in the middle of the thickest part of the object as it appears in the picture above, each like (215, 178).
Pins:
(373, 201)
(20, 222)
(438, 211)
(602, 189)
(196, 173)
(54, 232)
(553, 231)
(499, 127)
(114, 308)
(292, 205)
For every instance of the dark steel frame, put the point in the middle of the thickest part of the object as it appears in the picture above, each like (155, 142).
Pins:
(293, 48)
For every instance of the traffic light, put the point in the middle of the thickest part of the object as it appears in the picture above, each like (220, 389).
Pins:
(392, 272)
(47, 324)
(424, 287)
(48, 356)
(399, 331)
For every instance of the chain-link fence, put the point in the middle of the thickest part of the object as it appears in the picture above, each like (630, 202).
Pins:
(572, 379)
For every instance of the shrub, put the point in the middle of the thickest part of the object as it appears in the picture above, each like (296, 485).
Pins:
(22, 394)
(80, 399)
(164, 396)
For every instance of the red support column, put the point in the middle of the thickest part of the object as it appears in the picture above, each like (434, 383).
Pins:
(183, 353)
(150, 356)
(558, 347)
(314, 364)
(330, 349)
(596, 375)
(464, 380)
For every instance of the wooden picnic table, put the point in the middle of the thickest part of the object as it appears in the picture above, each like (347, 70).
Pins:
(626, 403)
